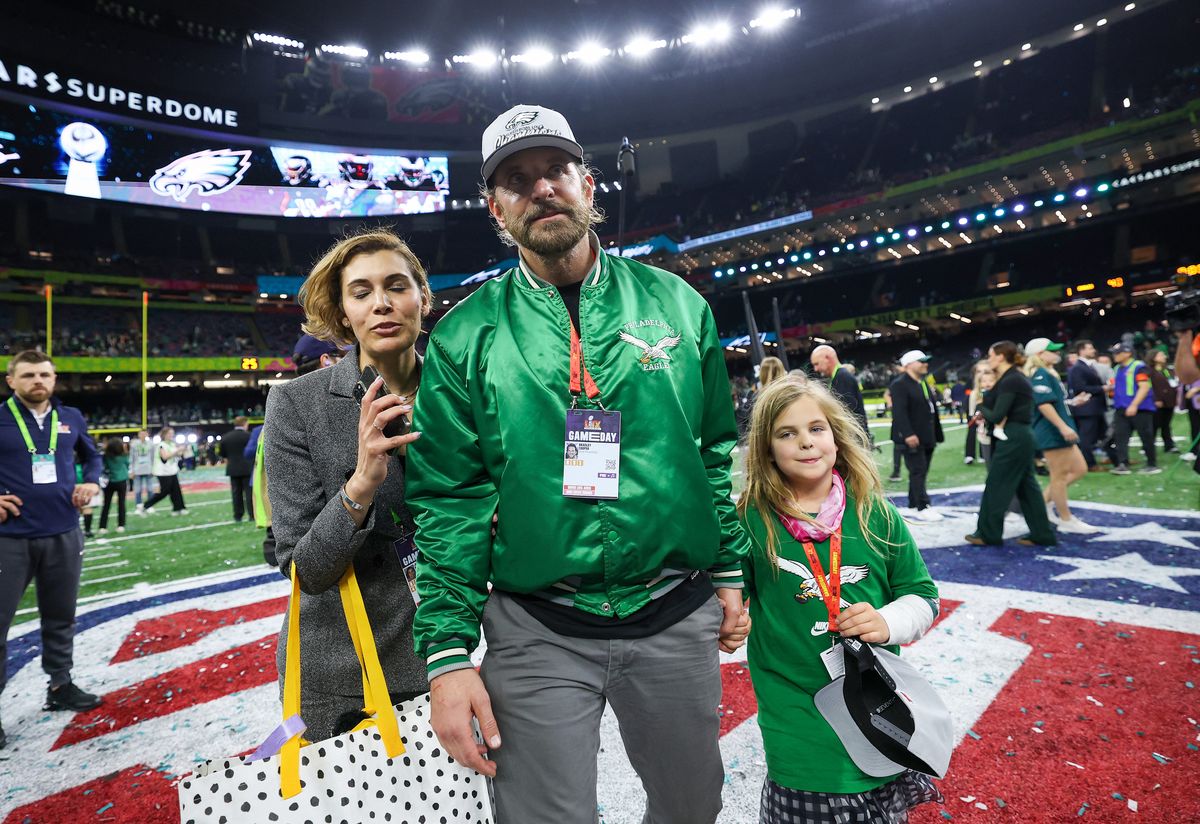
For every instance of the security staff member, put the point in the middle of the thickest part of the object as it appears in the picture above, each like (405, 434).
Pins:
(40, 442)
(1133, 405)
(916, 429)
(1010, 471)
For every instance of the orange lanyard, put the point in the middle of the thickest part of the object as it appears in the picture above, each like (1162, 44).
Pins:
(831, 588)
(578, 368)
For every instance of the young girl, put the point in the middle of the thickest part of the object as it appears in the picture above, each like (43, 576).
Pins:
(812, 487)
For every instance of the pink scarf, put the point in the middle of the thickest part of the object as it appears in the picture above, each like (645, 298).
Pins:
(828, 520)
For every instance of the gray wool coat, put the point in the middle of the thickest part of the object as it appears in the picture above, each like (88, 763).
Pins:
(310, 450)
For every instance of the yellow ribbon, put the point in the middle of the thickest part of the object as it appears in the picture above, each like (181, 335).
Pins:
(377, 700)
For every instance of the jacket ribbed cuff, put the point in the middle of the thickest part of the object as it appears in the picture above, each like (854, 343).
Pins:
(727, 577)
(445, 657)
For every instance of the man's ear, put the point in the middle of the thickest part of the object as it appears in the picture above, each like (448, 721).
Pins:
(494, 210)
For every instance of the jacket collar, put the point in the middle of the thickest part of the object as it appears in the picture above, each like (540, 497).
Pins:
(599, 267)
(344, 374)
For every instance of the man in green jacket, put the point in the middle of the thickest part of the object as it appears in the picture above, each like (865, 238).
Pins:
(605, 557)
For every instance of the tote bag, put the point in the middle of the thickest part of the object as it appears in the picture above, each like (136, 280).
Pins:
(390, 767)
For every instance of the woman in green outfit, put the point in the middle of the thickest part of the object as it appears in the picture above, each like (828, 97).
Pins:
(1011, 470)
(116, 468)
(1054, 432)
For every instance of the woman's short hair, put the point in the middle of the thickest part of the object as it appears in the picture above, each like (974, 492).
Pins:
(321, 294)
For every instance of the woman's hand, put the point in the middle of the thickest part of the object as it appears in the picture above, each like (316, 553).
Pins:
(373, 446)
(1069, 435)
(863, 621)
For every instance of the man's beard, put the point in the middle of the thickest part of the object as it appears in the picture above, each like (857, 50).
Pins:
(555, 238)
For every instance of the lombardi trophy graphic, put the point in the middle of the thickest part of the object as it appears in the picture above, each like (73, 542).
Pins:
(84, 145)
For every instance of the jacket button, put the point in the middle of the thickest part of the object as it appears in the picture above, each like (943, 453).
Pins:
(606, 607)
(613, 536)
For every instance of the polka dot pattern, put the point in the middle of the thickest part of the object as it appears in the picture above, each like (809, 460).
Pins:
(346, 779)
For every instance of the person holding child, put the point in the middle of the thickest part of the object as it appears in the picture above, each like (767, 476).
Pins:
(813, 503)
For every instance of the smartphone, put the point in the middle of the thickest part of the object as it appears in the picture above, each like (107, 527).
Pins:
(397, 427)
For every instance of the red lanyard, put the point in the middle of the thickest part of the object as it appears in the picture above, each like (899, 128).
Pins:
(578, 368)
(831, 588)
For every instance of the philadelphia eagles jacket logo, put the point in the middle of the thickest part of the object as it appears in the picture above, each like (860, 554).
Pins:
(809, 589)
(652, 351)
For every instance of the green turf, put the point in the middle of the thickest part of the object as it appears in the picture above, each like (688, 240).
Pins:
(167, 557)
(189, 552)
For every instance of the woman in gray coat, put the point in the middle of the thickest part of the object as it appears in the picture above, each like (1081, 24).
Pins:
(336, 480)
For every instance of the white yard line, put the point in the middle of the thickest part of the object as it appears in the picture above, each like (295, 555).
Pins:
(106, 566)
(87, 556)
(108, 542)
(111, 578)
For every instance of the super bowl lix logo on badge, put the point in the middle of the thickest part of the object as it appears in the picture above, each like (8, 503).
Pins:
(207, 172)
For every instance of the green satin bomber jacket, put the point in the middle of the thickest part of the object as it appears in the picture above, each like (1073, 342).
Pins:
(495, 389)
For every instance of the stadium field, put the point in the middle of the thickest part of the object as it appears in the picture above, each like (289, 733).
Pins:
(160, 548)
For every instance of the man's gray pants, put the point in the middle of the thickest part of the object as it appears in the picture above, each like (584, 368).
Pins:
(55, 562)
(548, 693)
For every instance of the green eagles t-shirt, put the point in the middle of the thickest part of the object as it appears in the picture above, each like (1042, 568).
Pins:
(788, 635)
(1047, 388)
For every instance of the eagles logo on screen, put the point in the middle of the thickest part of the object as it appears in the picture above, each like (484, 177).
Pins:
(521, 119)
(208, 172)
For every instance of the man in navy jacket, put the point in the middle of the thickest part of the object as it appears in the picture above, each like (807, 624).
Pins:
(40, 442)
(1089, 416)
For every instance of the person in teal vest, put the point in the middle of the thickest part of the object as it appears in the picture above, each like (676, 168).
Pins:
(1133, 405)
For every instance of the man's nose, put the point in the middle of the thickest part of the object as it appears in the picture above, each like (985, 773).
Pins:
(542, 189)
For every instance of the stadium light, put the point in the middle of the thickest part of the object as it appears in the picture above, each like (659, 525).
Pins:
(1059, 198)
(413, 56)
(345, 51)
(1037, 204)
(589, 53)
(1026, 46)
(978, 63)
(1130, 6)
(933, 79)
(276, 40)
(641, 46)
(907, 89)
(962, 221)
(1078, 27)
(1103, 21)
(1126, 103)
(708, 34)
(535, 57)
(108, 378)
(480, 59)
(773, 18)
(1081, 191)
(874, 100)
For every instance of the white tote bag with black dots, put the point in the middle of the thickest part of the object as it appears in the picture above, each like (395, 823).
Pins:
(388, 768)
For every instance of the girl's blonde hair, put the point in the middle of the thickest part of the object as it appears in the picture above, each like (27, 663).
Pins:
(770, 370)
(321, 293)
(768, 491)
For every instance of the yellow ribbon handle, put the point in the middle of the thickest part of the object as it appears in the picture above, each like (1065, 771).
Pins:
(289, 760)
(376, 697)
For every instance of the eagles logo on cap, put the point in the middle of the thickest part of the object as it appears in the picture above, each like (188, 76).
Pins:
(521, 119)
(526, 126)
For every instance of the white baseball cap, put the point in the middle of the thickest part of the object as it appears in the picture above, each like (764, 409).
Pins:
(1039, 345)
(912, 356)
(526, 127)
